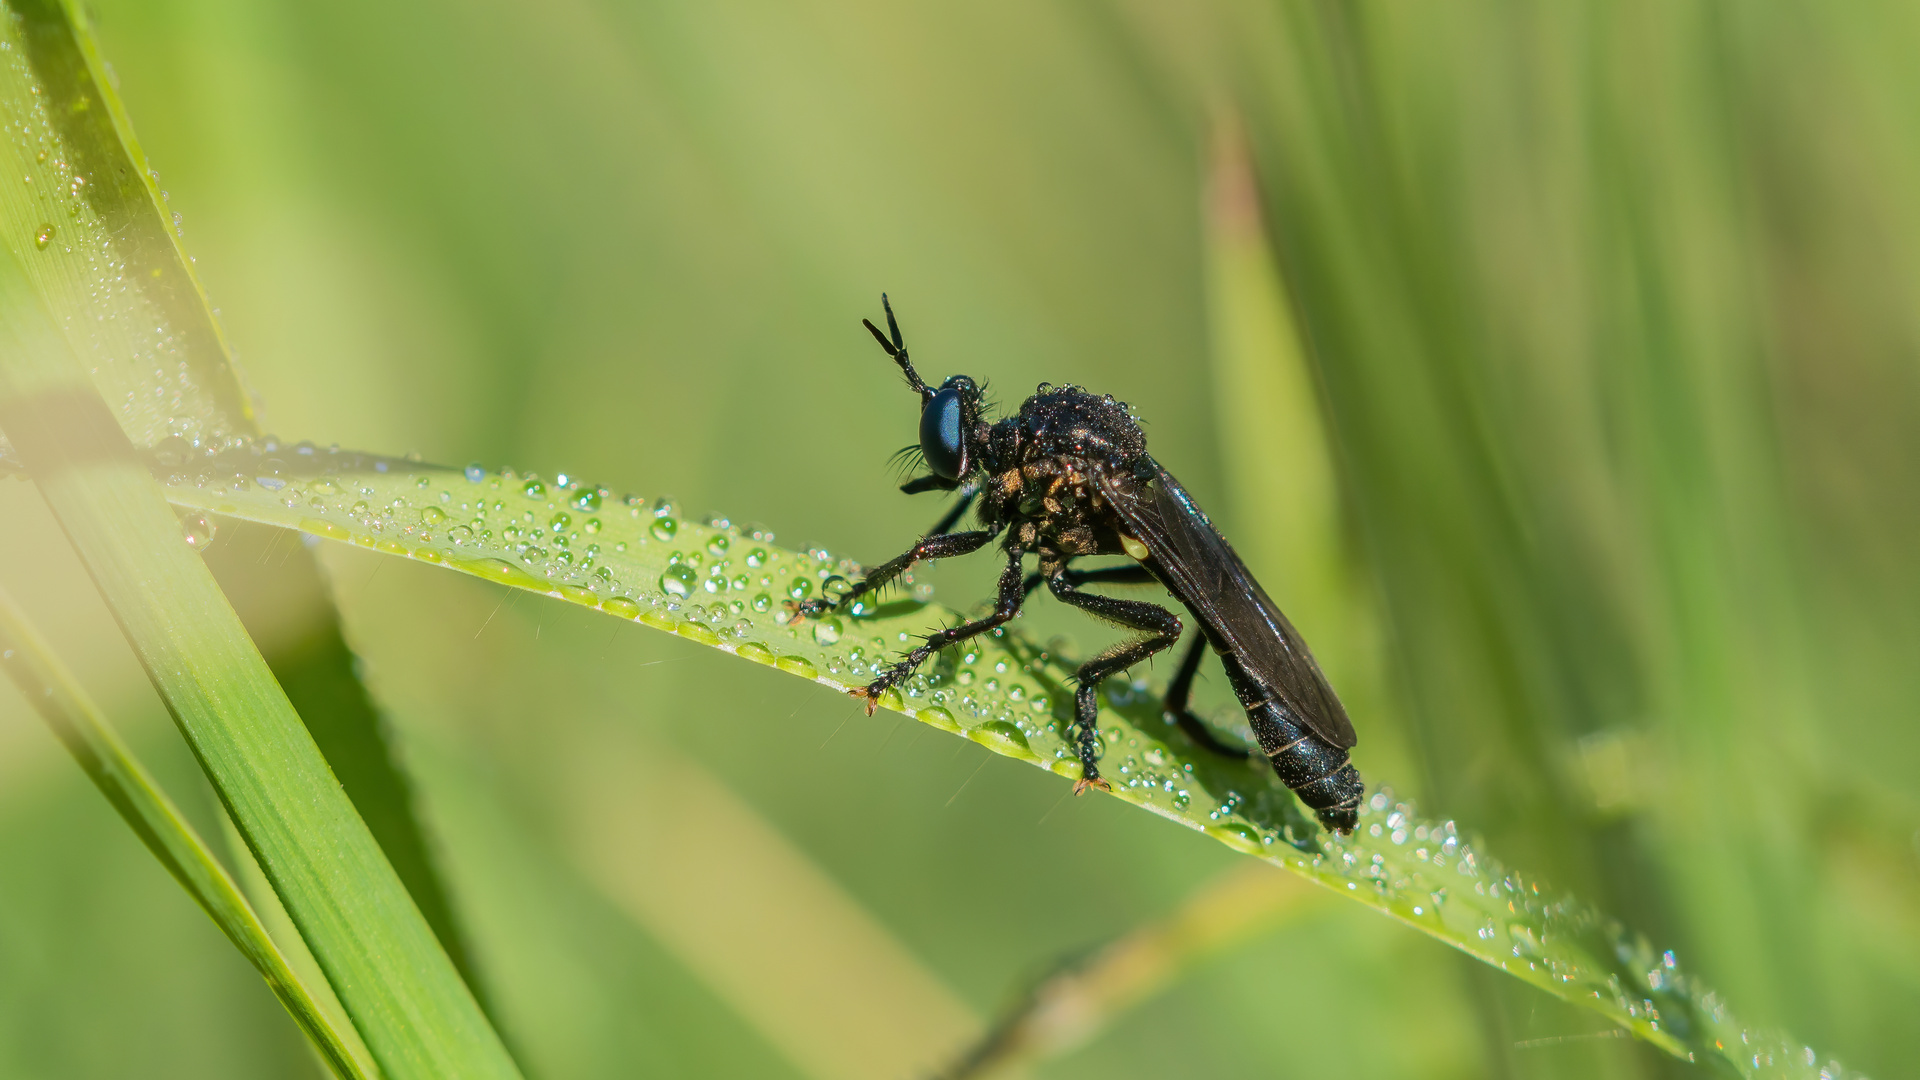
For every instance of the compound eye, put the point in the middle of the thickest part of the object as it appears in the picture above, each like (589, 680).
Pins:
(940, 437)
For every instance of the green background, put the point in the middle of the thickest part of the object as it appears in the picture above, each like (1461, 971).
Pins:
(1612, 312)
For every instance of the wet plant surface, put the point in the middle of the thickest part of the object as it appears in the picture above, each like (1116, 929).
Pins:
(723, 584)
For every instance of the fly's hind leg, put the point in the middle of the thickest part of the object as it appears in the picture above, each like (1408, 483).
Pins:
(1176, 711)
(1163, 632)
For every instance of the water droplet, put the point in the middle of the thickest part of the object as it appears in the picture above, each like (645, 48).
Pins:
(938, 717)
(762, 603)
(1236, 835)
(1003, 737)
(717, 545)
(757, 558)
(198, 529)
(589, 499)
(44, 237)
(755, 652)
(664, 528)
(560, 521)
(460, 534)
(827, 631)
(678, 580)
(534, 489)
(798, 665)
(432, 515)
(591, 526)
(800, 588)
(621, 606)
(476, 473)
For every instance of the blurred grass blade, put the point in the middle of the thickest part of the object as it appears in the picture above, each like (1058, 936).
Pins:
(283, 598)
(95, 240)
(1584, 291)
(54, 694)
(1068, 1008)
(1273, 446)
(721, 585)
(404, 995)
(815, 972)
(99, 225)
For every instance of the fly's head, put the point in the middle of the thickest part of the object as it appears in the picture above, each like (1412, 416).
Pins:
(953, 437)
(950, 428)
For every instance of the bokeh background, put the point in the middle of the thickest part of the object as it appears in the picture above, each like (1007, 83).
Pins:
(1583, 339)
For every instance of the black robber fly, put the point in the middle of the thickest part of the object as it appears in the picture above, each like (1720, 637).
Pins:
(1069, 476)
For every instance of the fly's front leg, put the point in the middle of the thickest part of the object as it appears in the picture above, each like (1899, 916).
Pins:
(1163, 632)
(1175, 707)
(1005, 607)
(939, 543)
(939, 546)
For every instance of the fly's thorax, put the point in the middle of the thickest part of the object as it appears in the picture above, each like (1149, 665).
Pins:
(1057, 485)
(1067, 421)
(1077, 518)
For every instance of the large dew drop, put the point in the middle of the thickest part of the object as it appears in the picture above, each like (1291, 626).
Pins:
(678, 580)
(198, 530)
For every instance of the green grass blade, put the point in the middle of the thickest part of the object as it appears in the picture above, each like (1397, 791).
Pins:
(386, 967)
(55, 695)
(718, 584)
(283, 598)
(92, 229)
(99, 226)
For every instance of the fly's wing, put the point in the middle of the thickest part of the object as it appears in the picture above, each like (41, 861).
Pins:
(1213, 580)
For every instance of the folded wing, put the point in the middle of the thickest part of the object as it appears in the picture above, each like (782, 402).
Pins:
(1210, 578)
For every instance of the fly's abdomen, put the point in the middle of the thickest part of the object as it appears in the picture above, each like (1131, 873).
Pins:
(1317, 771)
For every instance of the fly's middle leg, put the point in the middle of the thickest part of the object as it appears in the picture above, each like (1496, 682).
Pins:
(1163, 632)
